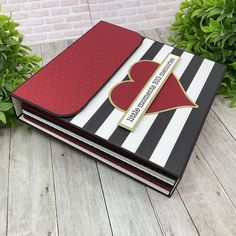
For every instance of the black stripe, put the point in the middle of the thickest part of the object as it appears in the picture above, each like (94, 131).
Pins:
(106, 108)
(177, 52)
(183, 148)
(120, 134)
(158, 127)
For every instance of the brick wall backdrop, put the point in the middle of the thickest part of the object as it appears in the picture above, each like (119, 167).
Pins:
(50, 20)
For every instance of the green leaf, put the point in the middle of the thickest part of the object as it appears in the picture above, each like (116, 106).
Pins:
(215, 11)
(16, 65)
(233, 65)
(183, 5)
(9, 87)
(3, 117)
(215, 25)
(4, 18)
(233, 102)
(221, 17)
(232, 40)
(232, 93)
(197, 12)
(225, 39)
(170, 39)
(208, 28)
(5, 106)
(36, 58)
(26, 47)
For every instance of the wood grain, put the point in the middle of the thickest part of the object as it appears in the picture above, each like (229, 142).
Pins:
(51, 50)
(151, 34)
(206, 201)
(163, 34)
(219, 149)
(172, 214)
(4, 165)
(226, 114)
(128, 204)
(31, 209)
(81, 208)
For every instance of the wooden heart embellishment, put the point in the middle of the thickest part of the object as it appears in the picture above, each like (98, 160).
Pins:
(170, 96)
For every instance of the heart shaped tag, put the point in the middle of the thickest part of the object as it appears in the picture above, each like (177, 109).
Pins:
(170, 96)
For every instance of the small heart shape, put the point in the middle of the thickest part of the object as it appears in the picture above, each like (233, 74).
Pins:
(171, 95)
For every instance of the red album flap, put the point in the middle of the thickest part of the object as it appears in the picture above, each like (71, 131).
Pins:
(66, 84)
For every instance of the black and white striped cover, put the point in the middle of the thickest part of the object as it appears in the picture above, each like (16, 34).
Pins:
(167, 138)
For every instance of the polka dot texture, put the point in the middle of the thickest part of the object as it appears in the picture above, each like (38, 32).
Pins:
(67, 83)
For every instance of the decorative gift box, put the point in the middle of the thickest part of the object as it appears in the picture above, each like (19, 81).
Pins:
(134, 103)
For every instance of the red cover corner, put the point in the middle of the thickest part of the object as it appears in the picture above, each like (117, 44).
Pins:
(66, 84)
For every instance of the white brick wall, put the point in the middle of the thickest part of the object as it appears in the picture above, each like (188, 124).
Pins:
(50, 20)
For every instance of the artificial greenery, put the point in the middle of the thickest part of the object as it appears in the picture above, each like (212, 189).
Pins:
(16, 65)
(208, 28)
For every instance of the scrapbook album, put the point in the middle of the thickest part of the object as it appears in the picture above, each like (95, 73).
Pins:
(134, 103)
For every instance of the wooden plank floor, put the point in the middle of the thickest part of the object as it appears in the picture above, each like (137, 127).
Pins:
(48, 188)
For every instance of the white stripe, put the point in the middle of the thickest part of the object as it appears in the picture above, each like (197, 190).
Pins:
(135, 138)
(174, 128)
(111, 123)
(83, 116)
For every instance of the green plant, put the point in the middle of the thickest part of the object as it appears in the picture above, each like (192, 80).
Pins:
(16, 65)
(208, 28)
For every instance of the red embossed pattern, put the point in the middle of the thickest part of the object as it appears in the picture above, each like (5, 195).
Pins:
(67, 83)
(169, 97)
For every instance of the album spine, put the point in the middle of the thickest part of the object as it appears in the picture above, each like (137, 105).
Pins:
(155, 184)
(17, 106)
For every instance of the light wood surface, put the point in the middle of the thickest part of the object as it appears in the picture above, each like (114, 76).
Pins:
(48, 188)
(5, 140)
